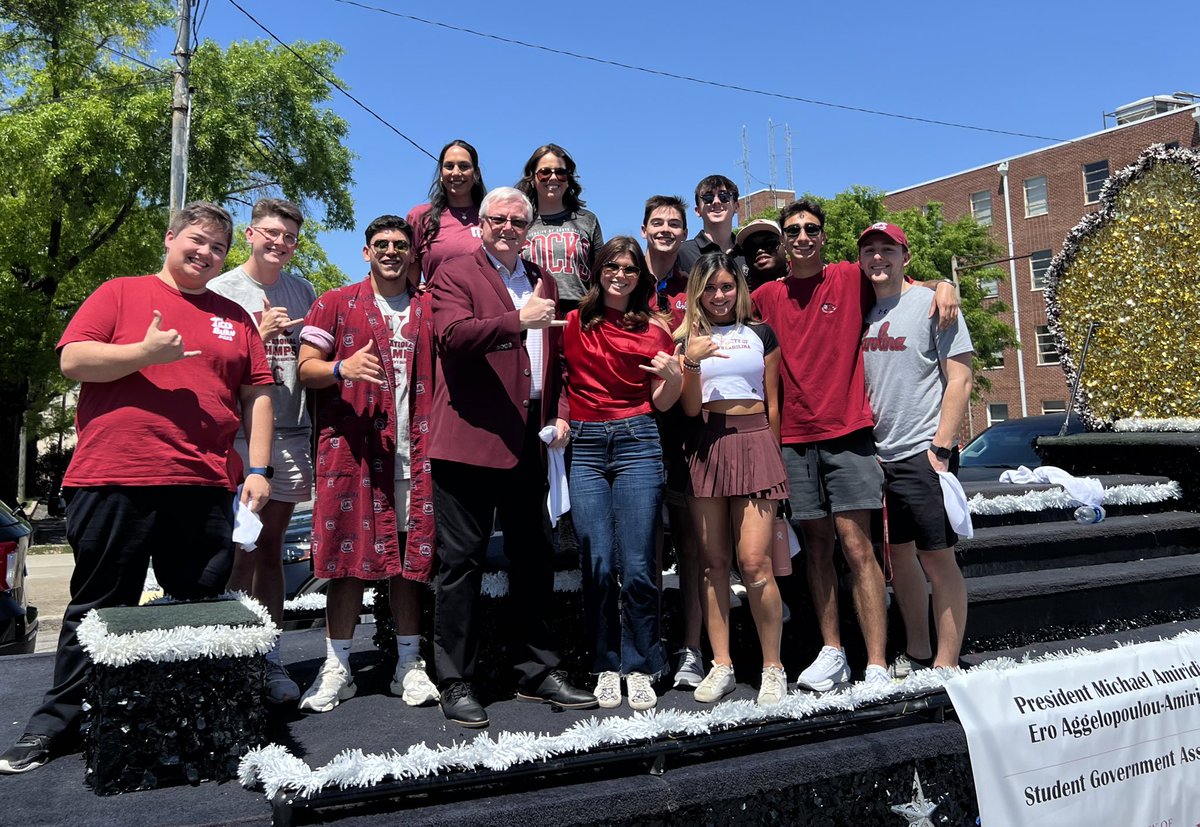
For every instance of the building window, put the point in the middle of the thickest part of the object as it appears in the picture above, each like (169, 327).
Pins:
(995, 362)
(1054, 406)
(1035, 197)
(1047, 351)
(981, 208)
(990, 288)
(1039, 263)
(1173, 145)
(997, 412)
(1094, 176)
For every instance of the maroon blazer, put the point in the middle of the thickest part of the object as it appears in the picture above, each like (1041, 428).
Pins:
(481, 390)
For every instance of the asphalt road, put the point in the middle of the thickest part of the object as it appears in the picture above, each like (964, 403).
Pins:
(49, 588)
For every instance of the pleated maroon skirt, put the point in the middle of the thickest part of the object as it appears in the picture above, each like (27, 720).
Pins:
(736, 455)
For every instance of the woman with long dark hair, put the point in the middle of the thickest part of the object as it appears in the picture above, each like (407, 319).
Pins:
(448, 225)
(564, 237)
(620, 363)
(737, 476)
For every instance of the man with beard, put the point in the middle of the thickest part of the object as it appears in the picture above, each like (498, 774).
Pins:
(759, 243)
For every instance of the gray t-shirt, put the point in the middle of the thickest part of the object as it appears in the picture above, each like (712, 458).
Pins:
(564, 245)
(297, 295)
(902, 352)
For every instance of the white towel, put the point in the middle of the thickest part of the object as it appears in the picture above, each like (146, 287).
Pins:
(246, 524)
(955, 501)
(1082, 490)
(558, 502)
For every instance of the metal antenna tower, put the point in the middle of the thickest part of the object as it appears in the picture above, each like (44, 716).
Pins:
(771, 151)
(745, 164)
(787, 155)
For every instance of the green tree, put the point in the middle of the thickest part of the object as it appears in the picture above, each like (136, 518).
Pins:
(933, 244)
(85, 157)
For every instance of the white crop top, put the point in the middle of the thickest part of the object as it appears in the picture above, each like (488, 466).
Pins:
(741, 375)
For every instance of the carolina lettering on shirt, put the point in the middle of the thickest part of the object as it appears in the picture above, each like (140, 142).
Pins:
(883, 341)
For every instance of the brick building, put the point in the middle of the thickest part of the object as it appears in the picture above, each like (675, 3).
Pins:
(752, 203)
(1049, 190)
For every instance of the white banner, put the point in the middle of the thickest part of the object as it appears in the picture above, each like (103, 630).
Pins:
(1108, 738)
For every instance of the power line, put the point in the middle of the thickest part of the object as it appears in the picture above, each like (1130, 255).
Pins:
(331, 81)
(20, 107)
(690, 79)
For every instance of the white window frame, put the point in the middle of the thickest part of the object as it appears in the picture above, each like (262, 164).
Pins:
(1090, 183)
(992, 420)
(1053, 406)
(975, 213)
(1037, 207)
(1045, 346)
(1033, 273)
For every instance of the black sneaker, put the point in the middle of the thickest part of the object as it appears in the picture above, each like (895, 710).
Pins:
(29, 753)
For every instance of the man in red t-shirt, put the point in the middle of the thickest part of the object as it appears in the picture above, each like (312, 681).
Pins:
(168, 371)
(829, 449)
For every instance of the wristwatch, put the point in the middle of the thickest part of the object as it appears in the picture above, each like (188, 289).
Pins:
(941, 453)
(268, 471)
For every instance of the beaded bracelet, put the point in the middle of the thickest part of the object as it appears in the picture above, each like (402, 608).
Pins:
(337, 370)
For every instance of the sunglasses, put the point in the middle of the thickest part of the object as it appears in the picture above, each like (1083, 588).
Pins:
(274, 235)
(723, 196)
(793, 230)
(546, 173)
(382, 245)
(611, 268)
(769, 245)
(499, 221)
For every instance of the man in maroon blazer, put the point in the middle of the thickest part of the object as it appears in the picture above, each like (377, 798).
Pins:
(498, 383)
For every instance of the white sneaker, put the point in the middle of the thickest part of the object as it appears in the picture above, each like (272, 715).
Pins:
(641, 693)
(281, 689)
(773, 687)
(826, 672)
(333, 685)
(412, 684)
(905, 664)
(691, 668)
(608, 690)
(876, 676)
(716, 685)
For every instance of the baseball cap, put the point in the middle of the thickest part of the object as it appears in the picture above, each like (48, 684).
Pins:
(890, 230)
(758, 225)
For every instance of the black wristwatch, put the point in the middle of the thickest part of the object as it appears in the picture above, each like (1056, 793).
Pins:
(941, 453)
(266, 471)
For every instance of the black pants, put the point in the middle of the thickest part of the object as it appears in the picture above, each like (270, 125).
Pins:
(115, 533)
(466, 499)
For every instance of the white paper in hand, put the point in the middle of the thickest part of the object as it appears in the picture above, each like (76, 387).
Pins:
(246, 524)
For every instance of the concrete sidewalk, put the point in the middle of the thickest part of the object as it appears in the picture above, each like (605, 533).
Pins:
(48, 585)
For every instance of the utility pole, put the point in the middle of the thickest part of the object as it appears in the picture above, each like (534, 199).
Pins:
(180, 106)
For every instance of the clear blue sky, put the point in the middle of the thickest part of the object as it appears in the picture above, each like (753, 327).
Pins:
(1045, 68)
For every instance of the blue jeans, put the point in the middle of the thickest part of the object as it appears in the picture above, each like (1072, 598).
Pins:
(616, 485)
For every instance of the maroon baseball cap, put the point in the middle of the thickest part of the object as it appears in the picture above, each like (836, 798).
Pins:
(890, 230)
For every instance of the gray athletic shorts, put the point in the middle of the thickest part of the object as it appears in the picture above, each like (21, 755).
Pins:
(834, 475)
(291, 457)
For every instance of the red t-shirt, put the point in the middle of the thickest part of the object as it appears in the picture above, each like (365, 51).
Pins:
(170, 424)
(819, 324)
(458, 235)
(604, 380)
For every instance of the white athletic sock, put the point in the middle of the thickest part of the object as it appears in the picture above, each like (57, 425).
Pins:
(408, 646)
(339, 650)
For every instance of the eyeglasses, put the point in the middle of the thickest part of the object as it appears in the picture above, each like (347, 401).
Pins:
(546, 173)
(272, 234)
(611, 268)
(381, 246)
(723, 196)
(768, 245)
(793, 230)
(499, 221)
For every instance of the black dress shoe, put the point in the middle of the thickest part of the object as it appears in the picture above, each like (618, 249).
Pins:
(460, 706)
(556, 689)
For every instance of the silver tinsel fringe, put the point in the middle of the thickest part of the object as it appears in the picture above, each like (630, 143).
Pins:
(1173, 424)
(181, 643)
(1057, 498)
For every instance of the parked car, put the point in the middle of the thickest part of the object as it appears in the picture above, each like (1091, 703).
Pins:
(297, 554)
(18, 620)
(1009, 444)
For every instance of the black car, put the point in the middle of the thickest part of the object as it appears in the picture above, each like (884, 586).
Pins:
(1009, 444)
(18, 620)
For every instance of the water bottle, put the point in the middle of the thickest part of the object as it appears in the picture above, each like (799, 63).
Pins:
(1089, 514)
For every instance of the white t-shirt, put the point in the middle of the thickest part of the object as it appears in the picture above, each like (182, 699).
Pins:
(397, 311)
(741, 375)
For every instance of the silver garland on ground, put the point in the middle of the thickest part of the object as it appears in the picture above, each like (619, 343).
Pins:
(1131, 266)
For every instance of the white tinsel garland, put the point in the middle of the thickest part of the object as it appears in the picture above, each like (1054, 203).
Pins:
(1169, 424)
(315, 602)
(277, 769)
(1137, 494)
(181, 643)
(495, 584)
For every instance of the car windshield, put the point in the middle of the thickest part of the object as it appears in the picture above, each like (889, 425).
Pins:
(1004, 446)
